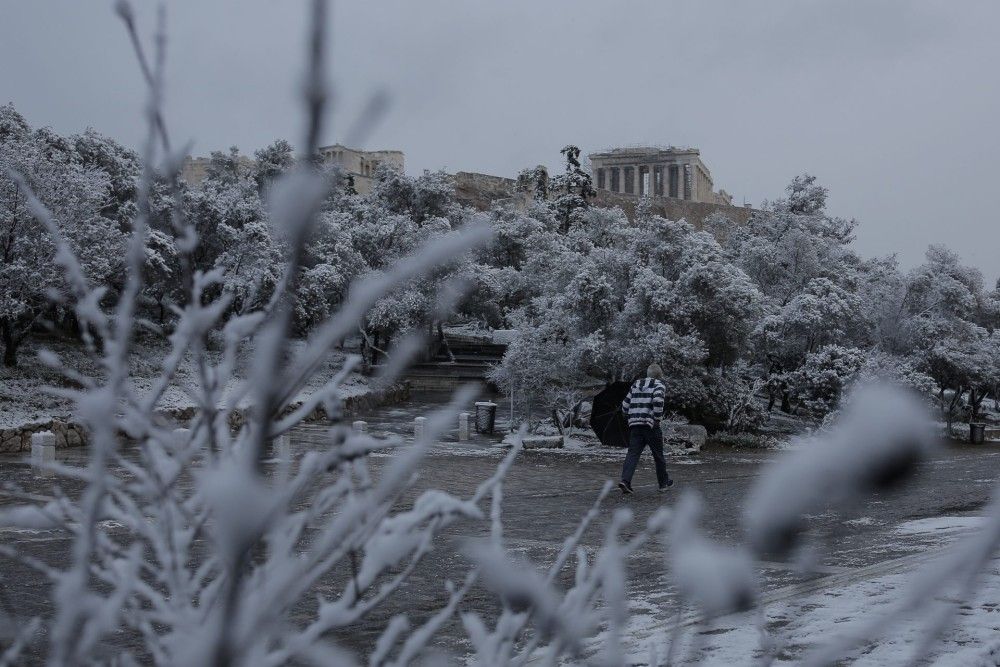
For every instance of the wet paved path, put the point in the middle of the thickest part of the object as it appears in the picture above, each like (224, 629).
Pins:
(548, 491)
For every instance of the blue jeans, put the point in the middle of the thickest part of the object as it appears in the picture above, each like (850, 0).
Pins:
(638, 438)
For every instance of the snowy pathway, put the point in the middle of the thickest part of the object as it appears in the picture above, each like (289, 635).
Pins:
(863, 560)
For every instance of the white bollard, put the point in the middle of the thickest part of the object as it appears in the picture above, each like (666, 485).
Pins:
(43, 448)
(283, 447)
(360, 426)
(464, 428)
(418, 426)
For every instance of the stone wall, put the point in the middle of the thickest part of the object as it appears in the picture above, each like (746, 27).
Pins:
(18, 439)
(481, 191)
(674, 209)
(69, 434)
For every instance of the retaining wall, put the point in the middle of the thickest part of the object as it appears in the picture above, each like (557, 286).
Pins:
(71, 434)
(18, 439)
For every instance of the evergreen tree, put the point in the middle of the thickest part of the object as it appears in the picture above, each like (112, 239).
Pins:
(572, 189)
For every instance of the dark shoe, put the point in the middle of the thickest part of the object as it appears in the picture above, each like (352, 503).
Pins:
(666, 486)
(626, 488)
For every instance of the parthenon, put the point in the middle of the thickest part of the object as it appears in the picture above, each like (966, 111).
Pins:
(658, 171)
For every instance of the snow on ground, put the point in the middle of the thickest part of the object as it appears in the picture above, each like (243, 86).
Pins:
(860, 521)
(24, 399)
(800, 624)
(939, 525)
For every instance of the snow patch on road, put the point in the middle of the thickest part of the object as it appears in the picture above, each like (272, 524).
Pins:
(860, 521)
(801, 625)
(939, 525)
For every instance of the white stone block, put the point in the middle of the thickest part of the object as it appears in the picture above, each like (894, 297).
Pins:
(418, 426)
(360, 426)
(543, 442)
(43, 448)
(464, 426)
(283, 447)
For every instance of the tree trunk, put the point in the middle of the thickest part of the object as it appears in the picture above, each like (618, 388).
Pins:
(9, 345)
(557, 420)
(952, 406)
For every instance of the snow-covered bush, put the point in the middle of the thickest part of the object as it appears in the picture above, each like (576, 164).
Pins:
(732, 404)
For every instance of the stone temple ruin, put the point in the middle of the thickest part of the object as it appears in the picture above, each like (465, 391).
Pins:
(657, 171)
(359, 164)
(674, 183)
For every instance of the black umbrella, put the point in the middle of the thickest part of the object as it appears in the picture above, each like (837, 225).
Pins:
(606, 416)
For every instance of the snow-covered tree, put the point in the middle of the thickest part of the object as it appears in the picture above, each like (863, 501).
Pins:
(272, 161)
(427, 196)
(80, 196)
(947, 306)
(793, 241)
(570, 190)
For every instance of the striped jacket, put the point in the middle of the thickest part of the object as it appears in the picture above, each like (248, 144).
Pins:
(643, 406)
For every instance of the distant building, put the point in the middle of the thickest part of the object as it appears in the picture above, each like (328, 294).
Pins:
(195, 169)
(656, 171)
(360, 164)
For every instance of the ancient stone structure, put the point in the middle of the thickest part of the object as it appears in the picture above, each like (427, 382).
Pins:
(482, 191)
(360, 164)
(195, 169)
(660, 171)
(694, 212)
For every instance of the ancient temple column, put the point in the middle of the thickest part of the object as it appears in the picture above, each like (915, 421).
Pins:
(673, 180)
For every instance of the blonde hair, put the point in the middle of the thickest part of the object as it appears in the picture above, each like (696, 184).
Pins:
(654, 371)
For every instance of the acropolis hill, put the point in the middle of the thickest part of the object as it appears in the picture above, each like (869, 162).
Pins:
(675, 182)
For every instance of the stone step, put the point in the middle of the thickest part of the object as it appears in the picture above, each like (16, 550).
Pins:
(442, 382)
(468, 358)
(492, 349)
(447, 369)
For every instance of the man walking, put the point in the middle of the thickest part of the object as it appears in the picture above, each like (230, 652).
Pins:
(643, 408)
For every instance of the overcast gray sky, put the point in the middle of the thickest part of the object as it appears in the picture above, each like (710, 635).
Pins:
(893, 104)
